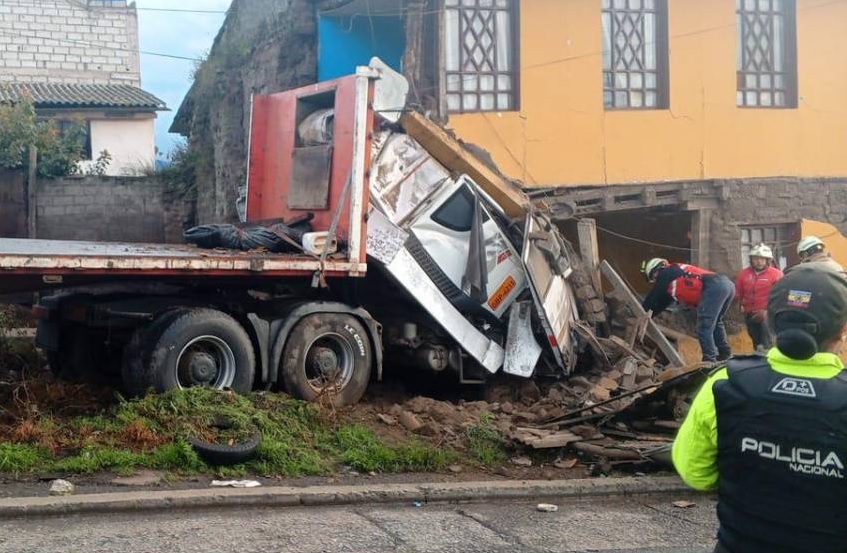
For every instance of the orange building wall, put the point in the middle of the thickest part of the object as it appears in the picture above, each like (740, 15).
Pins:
(563, 136)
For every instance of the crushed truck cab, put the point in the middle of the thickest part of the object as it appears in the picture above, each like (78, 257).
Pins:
(419, 254)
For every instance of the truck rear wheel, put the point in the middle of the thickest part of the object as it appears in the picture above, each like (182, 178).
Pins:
(190, 347)
(327, 355)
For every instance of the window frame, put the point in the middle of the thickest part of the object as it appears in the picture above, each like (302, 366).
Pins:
(789, 49)
(662, 59)
(783, 236)
(514, 72)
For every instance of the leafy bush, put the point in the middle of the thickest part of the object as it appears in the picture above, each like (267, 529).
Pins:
(58, 152)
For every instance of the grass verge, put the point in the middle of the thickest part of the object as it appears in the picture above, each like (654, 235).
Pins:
(298, 439)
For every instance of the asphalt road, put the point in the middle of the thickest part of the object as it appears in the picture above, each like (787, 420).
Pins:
(635, 524)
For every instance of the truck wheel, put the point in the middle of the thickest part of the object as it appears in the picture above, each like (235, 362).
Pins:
(190, 347)
(327, 355)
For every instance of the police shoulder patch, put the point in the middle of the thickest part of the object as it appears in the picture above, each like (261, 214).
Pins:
(795, 387)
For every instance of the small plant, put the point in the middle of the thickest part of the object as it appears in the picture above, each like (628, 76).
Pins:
(101, 164)
(485, 442)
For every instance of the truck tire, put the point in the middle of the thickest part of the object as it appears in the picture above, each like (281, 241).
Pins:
(189, 347)
(327, 356)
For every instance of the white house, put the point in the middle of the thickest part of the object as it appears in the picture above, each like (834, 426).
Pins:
(78, 60)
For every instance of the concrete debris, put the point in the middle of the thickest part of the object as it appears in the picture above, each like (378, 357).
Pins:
(522, 461)
(61, 487)
(684, 504)
(387, 419)
(409, 421)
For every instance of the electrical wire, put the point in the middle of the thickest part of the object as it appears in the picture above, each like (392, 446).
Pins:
(18, 34)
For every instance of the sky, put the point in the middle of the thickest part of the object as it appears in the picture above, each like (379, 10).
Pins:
(174, 33)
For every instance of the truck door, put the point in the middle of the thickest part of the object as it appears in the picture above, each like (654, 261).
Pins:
(445, 240)
(547, 267)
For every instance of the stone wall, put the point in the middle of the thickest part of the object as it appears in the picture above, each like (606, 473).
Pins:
(763, 202)
(111, 209)
(71, 42)
(265, 46)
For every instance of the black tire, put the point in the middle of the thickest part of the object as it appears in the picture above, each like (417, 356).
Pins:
(219, 454)
(156, 356)
(327, 356)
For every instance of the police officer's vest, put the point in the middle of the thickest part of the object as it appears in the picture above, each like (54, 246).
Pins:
(782, 451)
(688, 288)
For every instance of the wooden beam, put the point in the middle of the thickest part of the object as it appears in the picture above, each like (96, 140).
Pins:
(653, 331)
(31, 209)
(701, 221)
(450, 152)
(590, 252)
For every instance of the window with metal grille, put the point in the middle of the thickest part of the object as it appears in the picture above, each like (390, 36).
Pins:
(776, 237)
(767, 53)
(635, 54)
(481, 55)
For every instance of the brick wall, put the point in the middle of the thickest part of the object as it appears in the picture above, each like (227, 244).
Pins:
(103, 208)
(69, 41)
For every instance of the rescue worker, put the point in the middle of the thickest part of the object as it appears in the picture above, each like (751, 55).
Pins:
(710, 293)
(751, 290)
(770, 432)
(811, 249)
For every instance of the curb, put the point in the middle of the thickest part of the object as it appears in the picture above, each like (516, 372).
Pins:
(333, 495)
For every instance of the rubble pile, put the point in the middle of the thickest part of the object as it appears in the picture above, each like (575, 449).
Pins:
(624, 407)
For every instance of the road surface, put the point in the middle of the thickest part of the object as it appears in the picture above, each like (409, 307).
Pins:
(634, 525)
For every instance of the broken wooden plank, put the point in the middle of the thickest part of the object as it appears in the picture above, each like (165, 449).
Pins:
(608, 452)
(674, 358)
(590, 252)
(450, 151)
(560, 439)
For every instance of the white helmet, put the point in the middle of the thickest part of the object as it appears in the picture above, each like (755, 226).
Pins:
(648, 267)
(808, 243)
(761, 250)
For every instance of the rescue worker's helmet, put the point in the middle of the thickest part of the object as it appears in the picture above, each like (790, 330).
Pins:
(809, 244)
(761, 250)
(647, 267)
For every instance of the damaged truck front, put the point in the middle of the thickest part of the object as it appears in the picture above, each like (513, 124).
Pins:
(414, 257)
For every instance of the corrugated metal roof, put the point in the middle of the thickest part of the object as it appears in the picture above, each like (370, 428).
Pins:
(48, 95)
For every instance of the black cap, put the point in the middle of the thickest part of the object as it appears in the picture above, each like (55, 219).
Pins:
(806, 308)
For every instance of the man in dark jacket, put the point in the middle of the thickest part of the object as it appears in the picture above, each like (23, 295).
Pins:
(709, 293)
(770, 433)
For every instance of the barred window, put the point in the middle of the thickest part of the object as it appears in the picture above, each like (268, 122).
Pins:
(776, 237)
(635, 54)
(767, 53)
(481, 55)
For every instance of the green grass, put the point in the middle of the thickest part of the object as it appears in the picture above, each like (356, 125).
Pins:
(297, 439)
(485, 442)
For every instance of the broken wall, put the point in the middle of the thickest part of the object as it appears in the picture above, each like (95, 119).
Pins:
(264, 46)
(762, 202)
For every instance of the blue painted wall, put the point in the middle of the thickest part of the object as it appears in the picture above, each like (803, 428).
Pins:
(345, 43)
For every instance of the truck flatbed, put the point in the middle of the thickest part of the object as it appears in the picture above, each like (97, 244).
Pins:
(53, 259)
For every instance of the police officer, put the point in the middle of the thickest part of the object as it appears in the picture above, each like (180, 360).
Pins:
(710, 293)
(770, 433)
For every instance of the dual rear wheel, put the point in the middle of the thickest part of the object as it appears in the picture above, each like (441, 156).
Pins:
(327, 356)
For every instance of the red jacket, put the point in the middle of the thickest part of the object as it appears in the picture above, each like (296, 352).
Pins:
(752, 288)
